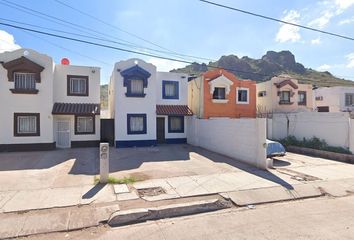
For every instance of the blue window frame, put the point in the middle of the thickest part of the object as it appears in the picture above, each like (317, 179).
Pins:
(136, 123)
(176, 124)
(131, 75)
(170, 89)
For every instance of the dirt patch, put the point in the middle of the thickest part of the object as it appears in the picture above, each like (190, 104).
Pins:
(139, 176)
(154, 191)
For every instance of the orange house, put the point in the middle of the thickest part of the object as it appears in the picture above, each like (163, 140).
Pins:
(218, 93)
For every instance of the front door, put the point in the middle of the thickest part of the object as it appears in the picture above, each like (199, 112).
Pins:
(160, 129)
(63, 134)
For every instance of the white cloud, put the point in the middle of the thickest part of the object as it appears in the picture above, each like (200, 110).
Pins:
(322, 21)
(350, 58)
(316, 41)
(346, 21)
(165, 65)
(331, 8)
(7, 42)
(324, 67)
(342, 5)
(288, 32)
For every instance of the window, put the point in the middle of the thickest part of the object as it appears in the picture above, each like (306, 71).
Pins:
(84, 125)
(262, 94)
(137, 86)
(349, 99)
(25, 80)
(26, 124)
(319, 98)
(170, 90)
(176, 124)
(302, 98)
(219, 93)
(242, 95)
(25, 74)
(285, 97)
(135, 79)
(77, 85)
(136, 123)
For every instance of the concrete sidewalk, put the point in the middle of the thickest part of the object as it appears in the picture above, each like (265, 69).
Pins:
(173, 188)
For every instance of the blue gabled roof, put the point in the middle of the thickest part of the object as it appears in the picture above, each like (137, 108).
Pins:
(135, 71)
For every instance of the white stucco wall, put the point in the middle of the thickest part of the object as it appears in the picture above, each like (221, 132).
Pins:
(333, 97)
(183, 88)
(60, 83)
(242, 139)
(334, 128)
(128, 105)
(80, 137)
(175, 135)
(27, 103)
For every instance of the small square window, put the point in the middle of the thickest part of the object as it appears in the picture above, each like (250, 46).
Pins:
(136, 124)
(219, 93)
(77, 85)
(170, 90)
(176, 124)
(242, 95)
(84, 125)
(285, 96)
(26, 124)
(262, 94)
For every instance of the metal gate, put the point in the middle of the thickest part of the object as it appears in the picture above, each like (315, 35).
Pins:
(63, 134)
(107, 131)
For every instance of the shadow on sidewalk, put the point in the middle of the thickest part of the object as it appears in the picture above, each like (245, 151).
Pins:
(215, 157)
(94, 190)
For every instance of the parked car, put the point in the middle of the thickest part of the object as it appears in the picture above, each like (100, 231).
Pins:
(275, 149)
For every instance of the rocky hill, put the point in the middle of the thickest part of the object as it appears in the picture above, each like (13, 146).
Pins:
(271, 64)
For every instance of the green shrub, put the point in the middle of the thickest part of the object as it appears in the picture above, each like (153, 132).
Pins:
(314, 143)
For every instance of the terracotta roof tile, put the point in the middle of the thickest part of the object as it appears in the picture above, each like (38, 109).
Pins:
(176, 110)
(76, 108)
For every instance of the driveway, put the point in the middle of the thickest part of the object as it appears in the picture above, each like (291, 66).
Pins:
(76, 167)
(308, 166)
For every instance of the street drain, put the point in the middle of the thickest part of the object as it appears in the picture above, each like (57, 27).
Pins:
(153, 191)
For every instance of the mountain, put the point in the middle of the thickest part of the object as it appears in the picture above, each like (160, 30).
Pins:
(271, 64)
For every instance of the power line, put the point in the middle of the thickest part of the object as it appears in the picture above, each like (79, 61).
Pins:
(277, 20)
(88, 30)
(129, 33)
(67, 49)
(132, 51)
(111, 25)
(80, 28)
(104, 39)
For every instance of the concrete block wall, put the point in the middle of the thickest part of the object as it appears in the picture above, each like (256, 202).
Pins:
(241, 139)
(335, 128)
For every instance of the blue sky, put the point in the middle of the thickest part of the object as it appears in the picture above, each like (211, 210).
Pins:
(193, 28)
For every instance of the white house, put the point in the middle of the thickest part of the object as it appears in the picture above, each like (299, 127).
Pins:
(45, 105)
(334, 99)
(149, 107)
